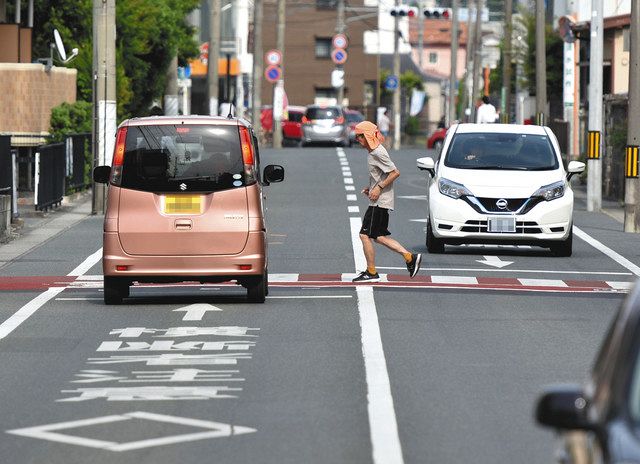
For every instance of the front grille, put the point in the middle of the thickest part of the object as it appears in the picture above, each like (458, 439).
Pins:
(513, 204)
(522, 227)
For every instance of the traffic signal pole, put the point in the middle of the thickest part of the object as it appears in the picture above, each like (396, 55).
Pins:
(594, 165)
(397, 90)
(214, 54)
(632, 185)
(278, 88)
(339, 30)
(477, 58)
(256, 96)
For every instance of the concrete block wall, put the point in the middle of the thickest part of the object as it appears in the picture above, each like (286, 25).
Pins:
(5, 215)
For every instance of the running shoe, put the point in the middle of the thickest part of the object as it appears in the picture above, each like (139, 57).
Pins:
(414, 265)
(366, 277)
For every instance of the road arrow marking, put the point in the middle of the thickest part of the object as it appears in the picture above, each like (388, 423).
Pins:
(494, 261)
(196, 312)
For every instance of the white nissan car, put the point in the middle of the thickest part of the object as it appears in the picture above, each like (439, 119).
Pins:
(500, 183)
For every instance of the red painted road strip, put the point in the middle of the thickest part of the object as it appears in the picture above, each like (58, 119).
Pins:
(30, 283)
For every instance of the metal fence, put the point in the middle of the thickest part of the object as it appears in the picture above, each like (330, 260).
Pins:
(49, 176)
(6, 166)
(78, 152)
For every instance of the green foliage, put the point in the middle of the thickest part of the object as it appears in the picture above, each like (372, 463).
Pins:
(410, 80)
(70, 118)
(149, 33)
(412, 126)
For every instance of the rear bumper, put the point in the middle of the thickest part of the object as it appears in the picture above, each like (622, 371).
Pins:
(180, 268)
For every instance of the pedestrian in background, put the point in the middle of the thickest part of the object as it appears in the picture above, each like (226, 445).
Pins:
(486, 112)
(384, 126)
(382, 174)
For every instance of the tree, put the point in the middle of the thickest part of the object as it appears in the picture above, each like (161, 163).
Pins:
(148, 34)
(70, 118)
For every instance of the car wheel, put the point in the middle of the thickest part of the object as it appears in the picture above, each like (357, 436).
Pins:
(437, 145)
(564, 248)
(257, 289)
(115, 289)
(434, 245)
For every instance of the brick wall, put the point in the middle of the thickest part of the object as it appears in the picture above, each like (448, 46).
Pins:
(28, 93)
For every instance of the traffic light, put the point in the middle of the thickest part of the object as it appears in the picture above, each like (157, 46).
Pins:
(437, 13)
(404, 10)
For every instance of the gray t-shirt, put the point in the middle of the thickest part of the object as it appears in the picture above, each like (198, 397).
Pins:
(380, 165)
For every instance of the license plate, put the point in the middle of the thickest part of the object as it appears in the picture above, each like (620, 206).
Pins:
(502, 224)
(322, 130)
(183, 204)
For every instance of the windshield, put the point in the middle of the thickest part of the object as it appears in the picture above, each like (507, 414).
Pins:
(323, 113)
(180, 158)
(523, 152)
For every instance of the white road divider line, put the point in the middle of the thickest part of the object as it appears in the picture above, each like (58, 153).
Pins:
(606, 250)
(353, 209)
(24, 313)
(542, 283)
(352, 197)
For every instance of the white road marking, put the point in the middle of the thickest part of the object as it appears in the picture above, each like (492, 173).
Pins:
(348, 180)
(620, 285)
(32, 306)
(383, 427)
(196, 312)
(533, 271)
(542, 283)
(352, 197)
(78, 299)
(349, 188)
(494, 261)
(607, 251)
(282, 277)
(293, 297)
(413, 197)
(454, 280)
(49, 432)
(353, 209)
(418, 220)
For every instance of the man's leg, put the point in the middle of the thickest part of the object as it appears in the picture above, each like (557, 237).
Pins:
(390, 243)
(413, 260)
(369, 251)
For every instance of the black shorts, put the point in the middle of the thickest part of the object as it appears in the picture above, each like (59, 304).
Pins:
(375, 222)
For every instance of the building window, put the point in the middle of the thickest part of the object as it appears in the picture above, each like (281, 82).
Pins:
(625, 39)
(326, 4)
(323, 48)
(433, 57)
(325, 96)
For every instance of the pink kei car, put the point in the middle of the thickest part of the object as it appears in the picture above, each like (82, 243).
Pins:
(185, 204)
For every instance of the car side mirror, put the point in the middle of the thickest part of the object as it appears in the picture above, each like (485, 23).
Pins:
(563, 408)
(272, 173)
(575, 167)
(101, 174)
(426, 164)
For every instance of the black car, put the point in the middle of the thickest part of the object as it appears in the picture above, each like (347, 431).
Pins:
(600, 421)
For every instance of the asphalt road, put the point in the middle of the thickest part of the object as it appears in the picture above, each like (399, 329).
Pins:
(442, 369)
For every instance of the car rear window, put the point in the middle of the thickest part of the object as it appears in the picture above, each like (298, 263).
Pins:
(295, 116)
(520, 152)
(323, 113)
(178, 158)
(354, 117)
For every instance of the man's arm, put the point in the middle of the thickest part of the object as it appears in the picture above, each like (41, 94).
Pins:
(374, 193)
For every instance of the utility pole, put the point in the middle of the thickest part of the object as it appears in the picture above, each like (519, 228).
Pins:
(214, 54)
(453, 77)
(632, 187)
(340, 29)
(506, 63)
(171, 90)
(278, 89)
(396, 72)
(541, 65)
(420, 33)
(468, 76)
(256, 96)
(594, 165)
(104, 93)
(477, 57)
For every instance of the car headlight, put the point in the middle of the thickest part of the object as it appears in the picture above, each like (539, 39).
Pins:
(551, 191)
(452, 189)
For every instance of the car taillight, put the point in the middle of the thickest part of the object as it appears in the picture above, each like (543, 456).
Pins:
(248, 158)
(118, 157)
(340, 120)
(305, 120)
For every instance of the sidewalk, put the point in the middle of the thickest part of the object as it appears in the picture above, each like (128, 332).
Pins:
(33, 228)
(610, 208)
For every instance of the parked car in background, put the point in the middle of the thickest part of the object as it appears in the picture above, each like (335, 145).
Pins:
(500, 183)
(353, 118)
(291, 125)
(600, 421)
(436, 139)
(185, 204)
(325, 124)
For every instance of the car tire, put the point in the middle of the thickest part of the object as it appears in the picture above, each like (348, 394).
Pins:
(564, 248)
(115, 290)
(434, 245)
(437, 145)
(257, 288)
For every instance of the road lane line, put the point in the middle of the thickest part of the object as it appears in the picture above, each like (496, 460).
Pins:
(533, 271)
(383, 427)
(607, 251)
(17, 318)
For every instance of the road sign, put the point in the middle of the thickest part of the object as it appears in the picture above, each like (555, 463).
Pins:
(337, 78)
(339, 41)
(273, 57)
(391, 82)
(272, 73)
(339, 56)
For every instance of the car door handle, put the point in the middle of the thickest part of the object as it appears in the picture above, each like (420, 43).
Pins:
(183, 224)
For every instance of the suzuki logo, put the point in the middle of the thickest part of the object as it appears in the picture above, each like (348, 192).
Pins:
(183, 186)
(502, 203)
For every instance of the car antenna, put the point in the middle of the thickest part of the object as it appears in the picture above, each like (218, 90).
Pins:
(230, 115)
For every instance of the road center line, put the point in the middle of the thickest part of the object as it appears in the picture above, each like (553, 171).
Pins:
(17, 318)
(607, 251)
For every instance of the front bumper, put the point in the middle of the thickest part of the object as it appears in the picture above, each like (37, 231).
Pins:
(455, 222)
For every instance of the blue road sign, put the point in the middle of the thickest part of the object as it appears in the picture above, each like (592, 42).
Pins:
(272, 73)
(391, 83)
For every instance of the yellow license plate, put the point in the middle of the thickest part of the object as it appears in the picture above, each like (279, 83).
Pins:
(183, 204)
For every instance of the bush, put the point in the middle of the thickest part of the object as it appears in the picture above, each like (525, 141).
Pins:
(412, 126)
(70, 118)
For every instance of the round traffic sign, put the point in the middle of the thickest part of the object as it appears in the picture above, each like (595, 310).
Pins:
(339, 56)
(272, 73)
(339, 41)
(273, 57)
(391, 83)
